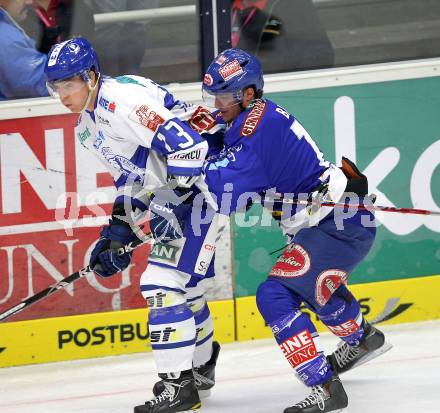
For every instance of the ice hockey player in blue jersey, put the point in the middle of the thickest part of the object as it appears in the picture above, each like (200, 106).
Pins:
(144, 136)
(269, 156)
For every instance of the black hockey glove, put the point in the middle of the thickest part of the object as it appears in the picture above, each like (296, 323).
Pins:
(357, 181)
(105, 259)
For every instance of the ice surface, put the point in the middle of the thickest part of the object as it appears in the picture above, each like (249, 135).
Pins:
(251, 377)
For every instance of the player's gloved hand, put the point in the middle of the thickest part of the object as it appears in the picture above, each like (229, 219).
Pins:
(184, 182)
(168, 210)
(105, 259)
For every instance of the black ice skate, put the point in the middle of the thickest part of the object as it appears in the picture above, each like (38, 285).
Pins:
(347, 357)
(204, 375)
(178, 396)
(327, 397)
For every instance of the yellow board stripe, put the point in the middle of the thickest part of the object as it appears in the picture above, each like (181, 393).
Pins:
(123, 332)
(397, 301)
(92, 335)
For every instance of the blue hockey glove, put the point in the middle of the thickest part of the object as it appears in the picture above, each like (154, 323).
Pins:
(168, 210)
(105, 260)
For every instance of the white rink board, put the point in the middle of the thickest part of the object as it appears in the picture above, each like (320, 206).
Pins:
(252, 377)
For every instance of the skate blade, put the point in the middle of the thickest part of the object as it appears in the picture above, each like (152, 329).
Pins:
(194, 409)
(381, 350)
(203, 394)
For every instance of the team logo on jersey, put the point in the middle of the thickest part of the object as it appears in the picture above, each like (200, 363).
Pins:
(166, 253)
(99, 140)
(327, 283)
(103, 121)
(82, 136)
(230, 70)
(209, 247)
(202, 120)
(122, 164)
(253, 118)
(299, 349)
(294, 262)
(208, 80)
(109, 106)
(146, 117)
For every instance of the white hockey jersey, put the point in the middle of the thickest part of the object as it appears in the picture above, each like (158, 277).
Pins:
(137, 130)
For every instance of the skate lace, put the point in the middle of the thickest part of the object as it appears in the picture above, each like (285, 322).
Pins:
(345, 354)
(200, 379)
(168, 393)
(317, 397)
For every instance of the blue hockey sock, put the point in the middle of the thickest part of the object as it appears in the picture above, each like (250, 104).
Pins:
(299, 341)
(343, 317)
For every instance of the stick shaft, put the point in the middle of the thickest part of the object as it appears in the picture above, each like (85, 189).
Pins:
(369, 207)
(45, 293)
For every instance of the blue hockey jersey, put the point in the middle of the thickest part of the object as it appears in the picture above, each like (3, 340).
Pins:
(268, 151)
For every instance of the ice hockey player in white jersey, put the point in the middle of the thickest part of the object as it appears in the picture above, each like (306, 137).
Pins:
(144, 136)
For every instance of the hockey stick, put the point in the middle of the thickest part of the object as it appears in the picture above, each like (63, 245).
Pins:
(67, 281)
(369, 207)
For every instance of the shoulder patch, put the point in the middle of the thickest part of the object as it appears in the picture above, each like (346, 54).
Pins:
(202, 120)
(128, 80)
(146, 117)
(253, 118)
(108, 105)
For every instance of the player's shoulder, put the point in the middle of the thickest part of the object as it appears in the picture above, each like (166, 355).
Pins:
(109, 99)
(118, 99)
(262, 116)
(132, 88)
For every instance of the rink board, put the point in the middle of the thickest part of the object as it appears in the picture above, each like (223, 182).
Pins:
(92, 335)
(387, 302)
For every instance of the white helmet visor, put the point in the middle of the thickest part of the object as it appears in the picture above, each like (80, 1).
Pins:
(222, 100)
(67, 87)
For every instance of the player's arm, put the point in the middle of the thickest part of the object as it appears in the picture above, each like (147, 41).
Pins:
(236, 178)
(150, 124)
(198, 118)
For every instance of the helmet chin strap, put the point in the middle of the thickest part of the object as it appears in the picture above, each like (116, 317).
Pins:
(90, 94)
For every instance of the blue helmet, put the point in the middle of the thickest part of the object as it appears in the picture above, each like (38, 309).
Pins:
(231, 71)
(70, 58)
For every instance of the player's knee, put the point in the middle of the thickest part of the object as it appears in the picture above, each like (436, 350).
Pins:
(169, 316)
(341, 302)
(200, 310)
(197, 304)
(331, 309)
(343, 316)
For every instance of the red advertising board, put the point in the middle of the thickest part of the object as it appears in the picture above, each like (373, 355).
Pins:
(54, 196)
